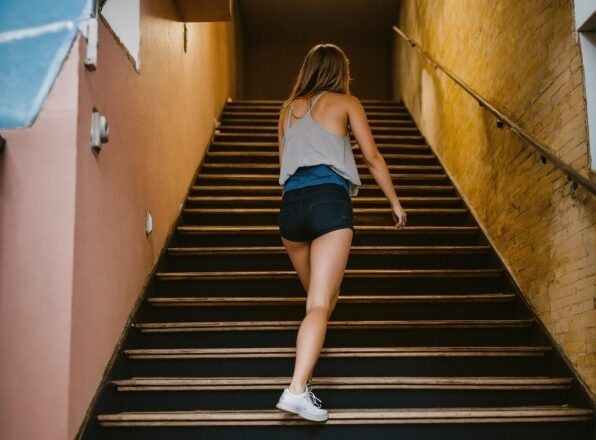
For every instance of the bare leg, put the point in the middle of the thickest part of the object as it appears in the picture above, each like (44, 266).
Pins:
(299, 253)
(328, 257)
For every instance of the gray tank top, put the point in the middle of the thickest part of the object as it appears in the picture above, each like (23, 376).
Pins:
(306, 143)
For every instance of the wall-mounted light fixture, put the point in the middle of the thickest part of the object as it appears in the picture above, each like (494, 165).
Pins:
(99, 130)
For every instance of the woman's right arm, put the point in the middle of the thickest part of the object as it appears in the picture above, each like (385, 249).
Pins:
(373, 158)
(280, 135)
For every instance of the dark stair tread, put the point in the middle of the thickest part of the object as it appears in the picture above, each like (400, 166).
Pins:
(372, 122)
(332, 324)
(275, 144)
(362, 229)
(274, 166)
(356, 200)
(280, 101)
(275, 112)
(260, 301)
(269, 128)
(412, 211)
(344, 352)
(348, 273)
(276, 187)
(377, 250)
(348, 382)
(253, 154)
(273, 177)
(351, 416)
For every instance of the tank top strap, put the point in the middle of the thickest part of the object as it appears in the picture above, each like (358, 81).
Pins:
(312, 104)
(314, 101)
(290, 114)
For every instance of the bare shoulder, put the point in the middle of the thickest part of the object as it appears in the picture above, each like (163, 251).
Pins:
(348, 102)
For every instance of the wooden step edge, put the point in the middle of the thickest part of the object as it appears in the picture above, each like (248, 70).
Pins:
(376, 250)
(200, 326)
(349, 382)
(275, 112)
(273, 145)
(358, 229)
(219, 135)
(364, 199)
(341, 352)
(275, 154)
(253, 211)
(280, 301)
(352, 416)
(274, 177)
(272, 129)
(277, 187)
(273, 120)
(349, 273)
(275, 166)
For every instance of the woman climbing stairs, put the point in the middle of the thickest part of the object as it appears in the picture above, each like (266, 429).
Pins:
(430, 337)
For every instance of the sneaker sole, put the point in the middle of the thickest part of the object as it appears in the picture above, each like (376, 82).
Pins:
(310, 417)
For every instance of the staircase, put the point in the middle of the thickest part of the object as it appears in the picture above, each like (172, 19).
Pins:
(430, 337)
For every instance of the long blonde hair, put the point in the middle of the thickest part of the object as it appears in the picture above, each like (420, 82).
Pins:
(325, 67)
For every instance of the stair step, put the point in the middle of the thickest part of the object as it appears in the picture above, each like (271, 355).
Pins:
(274, 145)
(275, 155)
(358, 229)
(352, 416)
(348, 273)
(268, 137)
(275, 177)
(404, 200)
(335, 352)
(276, 188)
(272, 128)
(279, 102)
(273, 166)
(376, 250)
(274, 300)
(245, 121)
(347, 382)
(389, 113)
(276, 105)
(412, 212)
(332, 324)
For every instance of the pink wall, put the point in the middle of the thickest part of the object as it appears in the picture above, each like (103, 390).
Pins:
(160, 125)
(73, 251)
(37, 220)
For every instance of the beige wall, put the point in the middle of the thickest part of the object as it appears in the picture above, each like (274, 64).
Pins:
(524, 58)
(73, 251)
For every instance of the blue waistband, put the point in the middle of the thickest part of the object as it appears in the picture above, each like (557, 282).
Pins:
(314, 175)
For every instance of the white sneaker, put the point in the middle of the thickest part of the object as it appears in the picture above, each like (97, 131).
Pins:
(306, 404)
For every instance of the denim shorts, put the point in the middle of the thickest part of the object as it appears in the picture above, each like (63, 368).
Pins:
(311, 211)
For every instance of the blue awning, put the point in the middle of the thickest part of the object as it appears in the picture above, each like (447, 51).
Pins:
(35, 39)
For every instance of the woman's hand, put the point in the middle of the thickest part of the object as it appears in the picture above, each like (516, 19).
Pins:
(399, 215)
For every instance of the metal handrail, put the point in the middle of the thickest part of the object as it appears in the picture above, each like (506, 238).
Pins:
(502, 119)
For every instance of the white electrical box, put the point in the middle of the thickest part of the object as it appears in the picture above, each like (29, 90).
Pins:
(148, 223)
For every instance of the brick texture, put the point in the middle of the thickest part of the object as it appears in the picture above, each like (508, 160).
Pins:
(524, 57)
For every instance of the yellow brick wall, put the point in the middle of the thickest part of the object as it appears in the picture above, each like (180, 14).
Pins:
(523, 56)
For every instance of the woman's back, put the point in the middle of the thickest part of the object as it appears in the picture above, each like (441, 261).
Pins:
(329, 111)
(311, 138)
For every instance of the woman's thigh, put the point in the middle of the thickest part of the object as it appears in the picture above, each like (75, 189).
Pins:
(328, 258)
(299, 253)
